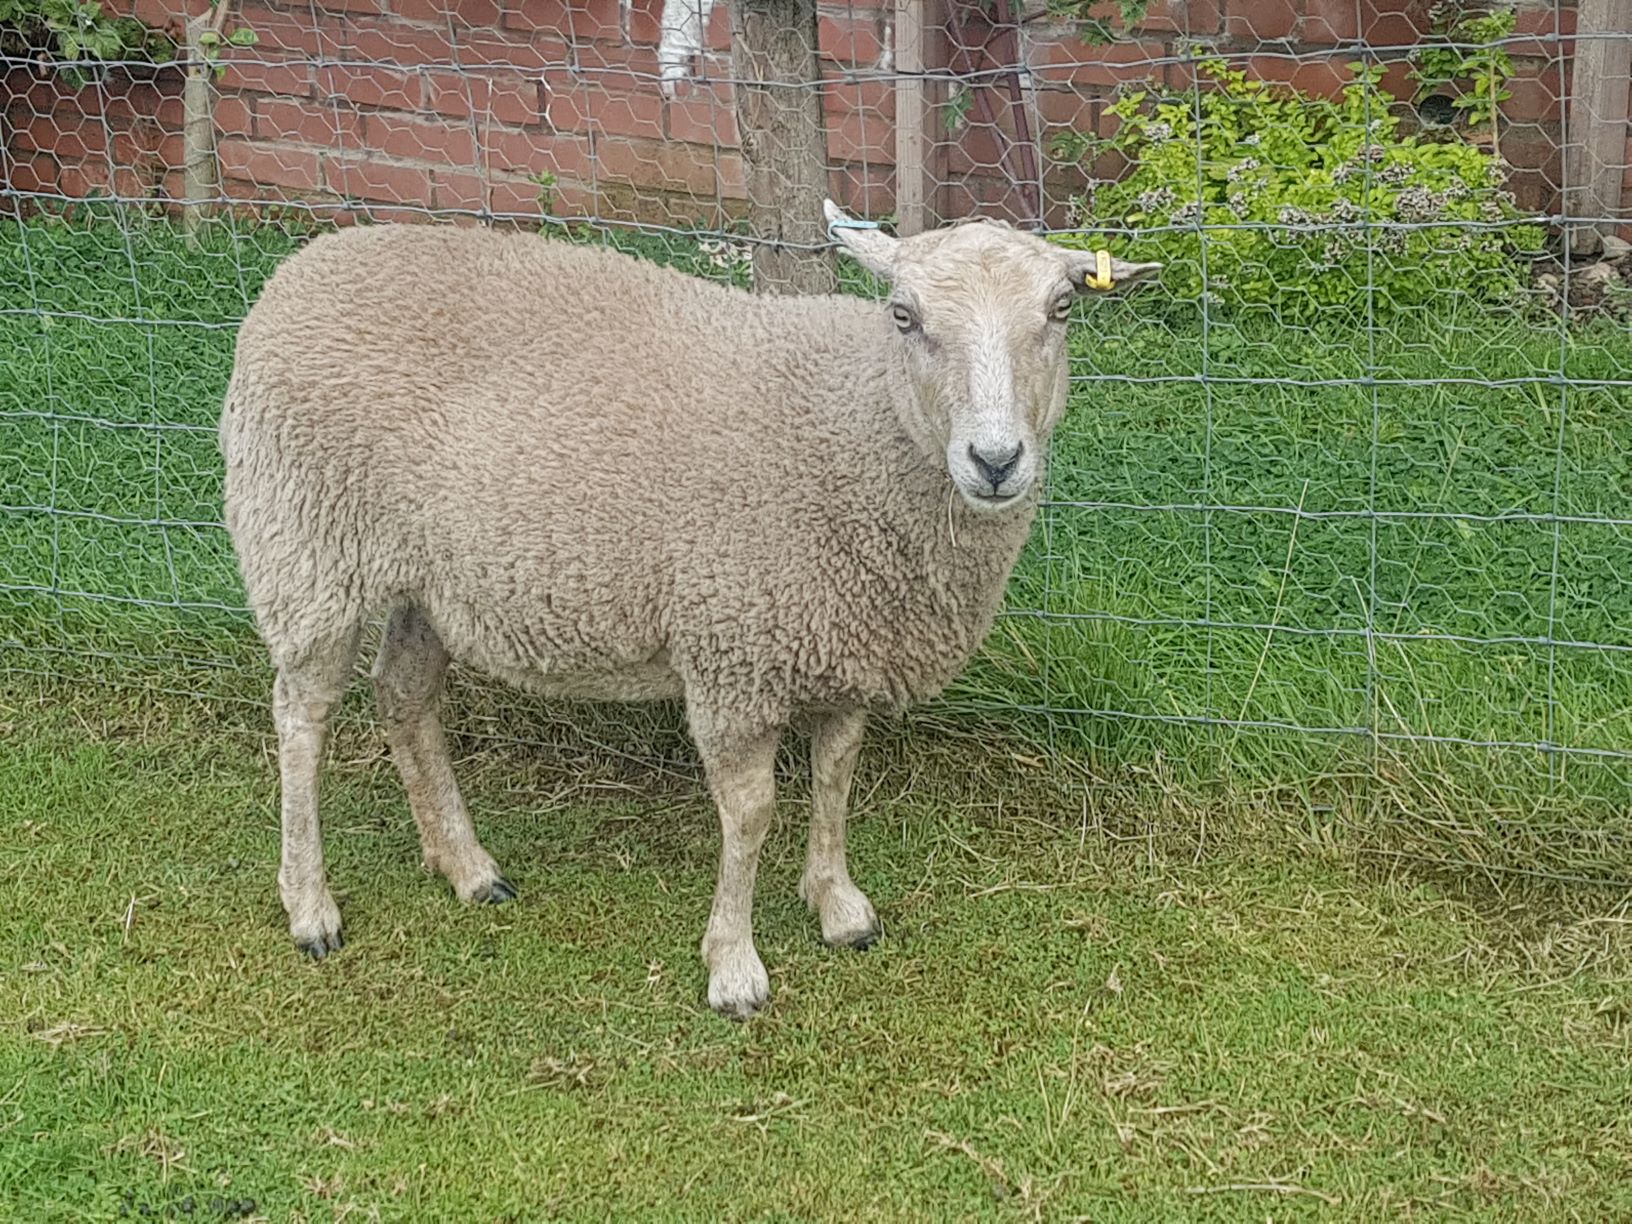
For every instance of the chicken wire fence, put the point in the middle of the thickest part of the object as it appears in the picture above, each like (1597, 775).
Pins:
(1341, 513)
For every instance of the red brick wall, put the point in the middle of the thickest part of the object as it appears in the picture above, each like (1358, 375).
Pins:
(457, 104)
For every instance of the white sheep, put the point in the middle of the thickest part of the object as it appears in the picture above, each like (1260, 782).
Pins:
(598, 478)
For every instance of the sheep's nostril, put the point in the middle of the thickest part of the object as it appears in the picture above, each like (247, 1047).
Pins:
(996, 468)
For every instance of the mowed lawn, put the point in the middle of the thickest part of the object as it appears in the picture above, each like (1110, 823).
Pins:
(1079, 1010)
(1217, 889)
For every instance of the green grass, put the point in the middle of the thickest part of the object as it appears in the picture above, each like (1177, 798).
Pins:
(1130, 1017)
(1175, 619)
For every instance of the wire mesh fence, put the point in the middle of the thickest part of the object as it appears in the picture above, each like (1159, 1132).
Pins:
(1341, 513)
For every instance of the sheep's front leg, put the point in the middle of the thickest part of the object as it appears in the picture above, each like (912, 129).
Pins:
(303, 698)
(741, 776)
(848, 920)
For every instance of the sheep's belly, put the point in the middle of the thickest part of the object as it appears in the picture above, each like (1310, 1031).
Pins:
(649, 681)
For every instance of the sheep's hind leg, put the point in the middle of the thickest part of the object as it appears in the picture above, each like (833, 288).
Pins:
(303, 698)
(408, 686)
(848, 920)
(742, 778)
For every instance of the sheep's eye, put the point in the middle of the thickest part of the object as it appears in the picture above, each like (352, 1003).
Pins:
(1062, 309)
(904, 318)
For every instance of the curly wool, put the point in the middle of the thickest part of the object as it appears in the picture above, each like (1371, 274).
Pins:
(599, 478)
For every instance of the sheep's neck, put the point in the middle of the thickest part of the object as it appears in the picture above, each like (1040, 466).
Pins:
(968, 555)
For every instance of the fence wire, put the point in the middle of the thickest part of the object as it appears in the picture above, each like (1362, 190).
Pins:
(1342, 512)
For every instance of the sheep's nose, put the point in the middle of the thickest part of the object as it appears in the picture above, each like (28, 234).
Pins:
(995, 467)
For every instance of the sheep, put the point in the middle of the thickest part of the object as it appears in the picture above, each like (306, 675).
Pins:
(597, 478)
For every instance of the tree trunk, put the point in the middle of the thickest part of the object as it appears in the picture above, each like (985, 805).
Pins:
(784, 142)
(198, 129)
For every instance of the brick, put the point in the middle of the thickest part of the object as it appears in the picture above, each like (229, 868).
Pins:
(868, 190)
(1322, 78)
(1397, 80)
(367, 178)
(1328, 21)
(276, 165)
(1195, 18)
(1076, 110)
(850, 40)
(279, 30)
(859, 135)
(1534, 100)
(668, 166)
(235, 114)
(579, 20)
(510, 197)
(1192, 17)
(860, 120)
(415, 139)
(1394, 23)
(349, 6)
(369, 86)
(645, 22)
(70, 138)
(618, 68)
(703, 114)
(1068, 60)
(508, 99)
(518, 152)
(516, 52)
(291, 77)
(977, 150)
(392, 42)
(319, 124)
(719, 29)
(1261, 20)
(38, 173)
(466, 14)
(585, 103)
(167, 15)
(627, 114)
(1544, 33)
(461, 189)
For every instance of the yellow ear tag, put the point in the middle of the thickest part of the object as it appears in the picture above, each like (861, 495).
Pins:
(1101, 279)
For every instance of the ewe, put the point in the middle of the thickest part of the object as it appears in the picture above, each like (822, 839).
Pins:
(598, 478)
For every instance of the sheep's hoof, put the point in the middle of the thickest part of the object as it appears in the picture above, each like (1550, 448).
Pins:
(848, 918)
(496, 892)
(314, 925)
(738, 986)
(322, 945)
(858, 941)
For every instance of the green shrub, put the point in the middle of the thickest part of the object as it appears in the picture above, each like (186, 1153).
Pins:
(76, 31)
(1303, 202)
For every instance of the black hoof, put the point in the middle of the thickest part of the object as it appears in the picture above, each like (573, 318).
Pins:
(497, 893)
(858, 943)
(317, 949)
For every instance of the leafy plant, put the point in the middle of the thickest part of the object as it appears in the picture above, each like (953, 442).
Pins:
(77, 32)
(210, 42)
(1255, 194)
(1091, 26)
(1468, 58)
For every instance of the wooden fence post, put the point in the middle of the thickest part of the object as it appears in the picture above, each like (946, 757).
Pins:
(919, 49)
(1595, 148)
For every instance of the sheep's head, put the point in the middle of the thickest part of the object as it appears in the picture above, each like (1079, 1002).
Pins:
(979, 313)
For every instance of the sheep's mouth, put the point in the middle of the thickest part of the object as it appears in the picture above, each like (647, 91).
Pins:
(987, 501)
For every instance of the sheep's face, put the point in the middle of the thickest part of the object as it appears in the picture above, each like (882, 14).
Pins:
(979, 313)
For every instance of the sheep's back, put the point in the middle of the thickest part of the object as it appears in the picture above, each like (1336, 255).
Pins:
(480, 421)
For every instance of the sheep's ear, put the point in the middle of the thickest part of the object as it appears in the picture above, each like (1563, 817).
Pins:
(868, 245)
(1087, 273)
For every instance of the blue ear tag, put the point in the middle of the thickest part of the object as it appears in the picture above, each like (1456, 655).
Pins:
(848, 223)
